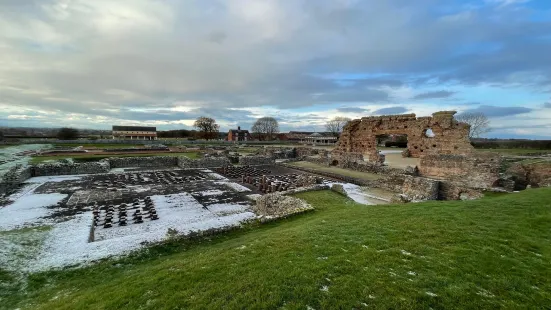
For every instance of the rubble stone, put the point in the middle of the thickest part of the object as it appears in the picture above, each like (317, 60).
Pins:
(276, 205)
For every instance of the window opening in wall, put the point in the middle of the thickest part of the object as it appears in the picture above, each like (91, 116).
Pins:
(429, 133)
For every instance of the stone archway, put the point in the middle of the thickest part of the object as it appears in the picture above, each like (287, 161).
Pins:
(448, 135)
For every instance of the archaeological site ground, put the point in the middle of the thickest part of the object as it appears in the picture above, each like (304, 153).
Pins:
(438, 224)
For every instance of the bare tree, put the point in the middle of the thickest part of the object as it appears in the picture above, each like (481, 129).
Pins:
(265, 128)
(478, 121)
(208, 129)
(336, 125)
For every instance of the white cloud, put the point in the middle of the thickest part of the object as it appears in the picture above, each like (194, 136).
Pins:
(161, 62)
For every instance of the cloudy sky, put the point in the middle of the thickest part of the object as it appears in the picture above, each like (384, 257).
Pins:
(95, 63)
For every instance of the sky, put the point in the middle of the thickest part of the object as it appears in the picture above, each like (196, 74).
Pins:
(164, 63)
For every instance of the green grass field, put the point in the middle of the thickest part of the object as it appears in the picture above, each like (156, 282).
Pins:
(341, 171)
(99, 145)
(516, 151)
(40, 159)
(485, 254)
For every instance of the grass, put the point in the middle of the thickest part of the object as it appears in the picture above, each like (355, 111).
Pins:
(40, 159)
(490, 253)
(546, 161)
(341, 171)
(517, 151)
(98, 145)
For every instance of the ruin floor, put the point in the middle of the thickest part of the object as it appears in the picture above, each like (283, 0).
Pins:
(78, 219)
(85, 218)
(394, 159)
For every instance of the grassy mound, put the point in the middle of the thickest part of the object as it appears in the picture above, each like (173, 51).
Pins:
(490, 253)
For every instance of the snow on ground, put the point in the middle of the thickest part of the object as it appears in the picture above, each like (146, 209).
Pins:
(391, 152)
(28, 210)
(237, 187)
(68, 243)
(354, 192)
(56, 178)
(214, 175)
(211, 192)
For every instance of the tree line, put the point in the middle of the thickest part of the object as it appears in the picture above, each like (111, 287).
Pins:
(267, 128)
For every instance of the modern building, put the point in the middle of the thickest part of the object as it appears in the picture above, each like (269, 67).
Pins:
(298, 136)
(134, 133)
(239, 135)
(321, 138)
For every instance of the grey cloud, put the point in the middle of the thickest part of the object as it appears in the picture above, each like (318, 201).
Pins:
(219, 55)
(391, 110)
(495, 111)
(353, 110)
(355, 95)
(547, 105)
(434, 95)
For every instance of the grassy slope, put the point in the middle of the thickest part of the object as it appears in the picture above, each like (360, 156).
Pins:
(489, 253)
(39, 159)
(99, 145)
(341, 171)
(516, 151)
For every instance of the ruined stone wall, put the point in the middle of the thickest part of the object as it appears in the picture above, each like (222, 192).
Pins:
(69, 168)
(478, 170)
(208, 162)
(13, 177)
(256, 160)
(148, 162)
(450, 136)
(535, 174)
(454, 191)
(307, 151)
(419, 189)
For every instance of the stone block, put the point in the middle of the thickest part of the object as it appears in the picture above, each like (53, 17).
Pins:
(276, 205)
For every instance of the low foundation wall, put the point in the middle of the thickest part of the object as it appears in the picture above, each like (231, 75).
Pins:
(209, 162)
(355, 161)
(418, 188)
(62, 168)
(11, 179)
(256, 160)
(480, 171)
(147, 162)
(335, 176)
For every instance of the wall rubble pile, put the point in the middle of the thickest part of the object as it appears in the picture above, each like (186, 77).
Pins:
(277, 205)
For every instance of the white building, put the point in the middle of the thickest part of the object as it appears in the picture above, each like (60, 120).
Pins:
(320, 138)
(134, 133)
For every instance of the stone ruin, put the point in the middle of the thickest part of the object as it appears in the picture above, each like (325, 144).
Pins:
(439, 134)
(441, 143)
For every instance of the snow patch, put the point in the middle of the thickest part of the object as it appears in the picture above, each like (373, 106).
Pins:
(55, 178)
(237, 187)
(28, 210)
(67, 243)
